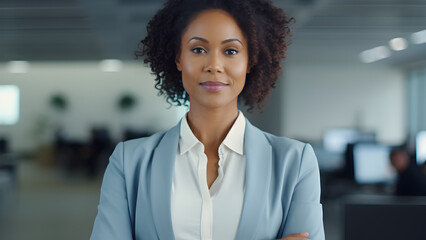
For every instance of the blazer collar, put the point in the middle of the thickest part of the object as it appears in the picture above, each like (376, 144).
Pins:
(257, 180)
(163, 162)
(258, 175)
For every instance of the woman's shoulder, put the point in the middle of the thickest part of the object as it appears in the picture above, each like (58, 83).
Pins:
(284, 147)
(144, 143)
(134, 154)
(282, 140)
(282, 143)
(276, 142)
(293, 154)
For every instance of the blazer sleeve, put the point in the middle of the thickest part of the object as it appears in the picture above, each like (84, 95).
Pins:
(305, 213)
(113, 218)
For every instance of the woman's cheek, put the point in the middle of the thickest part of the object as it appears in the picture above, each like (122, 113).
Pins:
(191, 67)
(239, 71)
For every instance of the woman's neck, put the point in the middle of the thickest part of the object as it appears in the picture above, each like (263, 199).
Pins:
(211, 126)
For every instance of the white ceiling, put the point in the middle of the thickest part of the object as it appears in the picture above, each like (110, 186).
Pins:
(45, 30)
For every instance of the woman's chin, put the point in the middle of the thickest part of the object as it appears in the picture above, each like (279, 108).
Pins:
(215, 103)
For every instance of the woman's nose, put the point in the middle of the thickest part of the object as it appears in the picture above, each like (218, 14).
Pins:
(214, 63)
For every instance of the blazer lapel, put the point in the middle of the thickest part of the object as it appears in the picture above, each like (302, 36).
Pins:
(258, 174)
(161, 182)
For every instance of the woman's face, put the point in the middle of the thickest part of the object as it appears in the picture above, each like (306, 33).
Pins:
(213, 60)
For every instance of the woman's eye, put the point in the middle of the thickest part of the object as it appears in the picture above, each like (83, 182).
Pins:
(231, 51)
(198, 50)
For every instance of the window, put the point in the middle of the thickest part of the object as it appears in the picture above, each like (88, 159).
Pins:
(9, 104)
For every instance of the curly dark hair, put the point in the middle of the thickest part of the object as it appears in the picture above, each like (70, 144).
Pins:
(265, 26)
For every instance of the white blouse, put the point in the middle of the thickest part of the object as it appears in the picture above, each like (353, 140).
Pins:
(197, 211)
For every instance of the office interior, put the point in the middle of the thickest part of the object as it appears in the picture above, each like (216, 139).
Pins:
(352, 85)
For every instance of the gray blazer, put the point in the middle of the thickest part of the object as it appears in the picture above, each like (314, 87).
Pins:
(282, 189)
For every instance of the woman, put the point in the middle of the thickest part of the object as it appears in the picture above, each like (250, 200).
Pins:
(214, 175)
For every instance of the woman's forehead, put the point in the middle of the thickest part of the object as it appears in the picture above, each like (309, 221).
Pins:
(213, 24)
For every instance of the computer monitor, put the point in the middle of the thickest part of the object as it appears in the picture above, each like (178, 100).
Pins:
(9, 104)
(421, 147)
(372, 164)
(337, 139)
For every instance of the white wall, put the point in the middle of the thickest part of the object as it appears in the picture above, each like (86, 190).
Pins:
(321, 95)
(315, 96)
(93, 97)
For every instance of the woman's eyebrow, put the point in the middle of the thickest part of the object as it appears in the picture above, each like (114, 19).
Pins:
(232, 40)
(198, 38)
(223, 42)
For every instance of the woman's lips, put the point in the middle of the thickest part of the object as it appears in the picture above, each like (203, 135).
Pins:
(213, 86)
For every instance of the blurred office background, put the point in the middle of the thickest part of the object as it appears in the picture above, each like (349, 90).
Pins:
(353, 85)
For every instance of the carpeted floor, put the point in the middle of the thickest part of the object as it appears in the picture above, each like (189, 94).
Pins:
(46, 205)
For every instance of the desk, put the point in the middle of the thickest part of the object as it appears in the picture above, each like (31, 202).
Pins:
(369, 217)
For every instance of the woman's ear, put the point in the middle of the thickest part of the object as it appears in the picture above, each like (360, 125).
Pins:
(177, 61)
